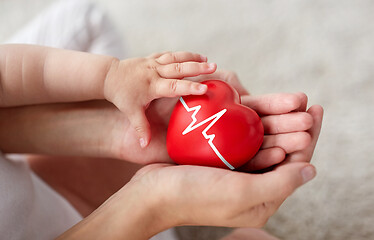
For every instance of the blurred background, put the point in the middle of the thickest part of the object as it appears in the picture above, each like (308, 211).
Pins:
(324, 48)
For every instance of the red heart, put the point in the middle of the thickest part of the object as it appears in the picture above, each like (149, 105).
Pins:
(214, 129)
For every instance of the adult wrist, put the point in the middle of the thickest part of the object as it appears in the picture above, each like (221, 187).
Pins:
(131, 213)
(147, 208)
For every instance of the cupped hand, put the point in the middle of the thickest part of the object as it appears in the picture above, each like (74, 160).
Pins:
(195, 195)
(291, 131)
(161, 196)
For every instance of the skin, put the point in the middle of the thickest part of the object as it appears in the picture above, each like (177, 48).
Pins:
(154, 196)
(44, 75)
(95, 181)
(93, 123)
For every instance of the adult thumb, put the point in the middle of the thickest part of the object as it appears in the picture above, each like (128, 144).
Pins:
(284, 180)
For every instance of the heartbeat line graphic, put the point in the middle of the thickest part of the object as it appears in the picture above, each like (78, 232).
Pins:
(192, 127)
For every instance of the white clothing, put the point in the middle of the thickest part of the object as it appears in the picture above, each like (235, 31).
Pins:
(29, 208)
(75, 25)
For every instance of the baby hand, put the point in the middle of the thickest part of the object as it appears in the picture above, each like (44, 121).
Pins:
(132, 84)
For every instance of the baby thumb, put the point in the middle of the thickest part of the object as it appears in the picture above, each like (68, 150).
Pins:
(140, 124)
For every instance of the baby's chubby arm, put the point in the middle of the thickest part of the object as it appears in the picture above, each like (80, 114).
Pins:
(34, 74)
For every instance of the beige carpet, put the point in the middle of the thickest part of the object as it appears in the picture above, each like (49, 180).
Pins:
(322, 47)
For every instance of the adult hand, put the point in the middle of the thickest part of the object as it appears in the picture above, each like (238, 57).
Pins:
(290, 134)
(185, 195)
(291, 131)
(161, 196)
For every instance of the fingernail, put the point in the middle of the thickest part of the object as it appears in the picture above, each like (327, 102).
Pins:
(202, 87)
(142, 142)
(203, 58)
(211, 66)
(308, 173)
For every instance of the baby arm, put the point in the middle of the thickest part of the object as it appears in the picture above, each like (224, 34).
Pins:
(34, 74)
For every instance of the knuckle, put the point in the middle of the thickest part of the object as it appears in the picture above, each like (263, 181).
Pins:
(153, 67)
(173, 57)
(173, 85)
(179, 68)
(139, 129)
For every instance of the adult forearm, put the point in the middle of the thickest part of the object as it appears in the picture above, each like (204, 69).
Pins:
(34, 74)
(58, 129)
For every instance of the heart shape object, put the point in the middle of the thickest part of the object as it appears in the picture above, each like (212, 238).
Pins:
(214, 129)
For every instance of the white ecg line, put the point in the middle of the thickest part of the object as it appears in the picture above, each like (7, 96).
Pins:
(191, 127)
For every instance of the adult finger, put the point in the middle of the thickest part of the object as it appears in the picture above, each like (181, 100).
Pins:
(303, 102)
(179, 57)
(281, 182)
(306, 154)
(289, 142)
(286, 123)
(264, 159)
(186, 69)
(279, 103)
(176, 87)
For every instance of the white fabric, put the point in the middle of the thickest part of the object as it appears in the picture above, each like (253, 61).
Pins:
(29, 208)
(169, 234)
(75, 25)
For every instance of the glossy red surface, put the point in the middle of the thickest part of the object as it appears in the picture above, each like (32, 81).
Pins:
(220, 133)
